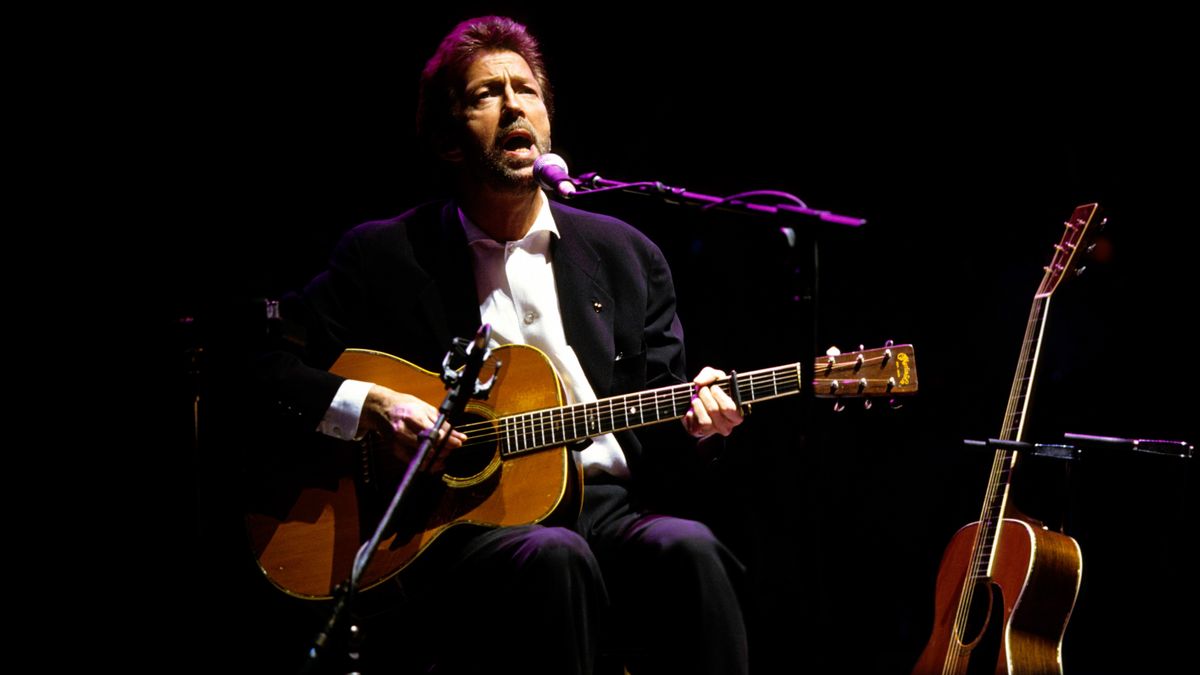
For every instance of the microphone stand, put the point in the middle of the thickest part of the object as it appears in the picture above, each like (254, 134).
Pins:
(592, 183)
(457, 395)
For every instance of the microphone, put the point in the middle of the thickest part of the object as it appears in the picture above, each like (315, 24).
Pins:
(551, 172)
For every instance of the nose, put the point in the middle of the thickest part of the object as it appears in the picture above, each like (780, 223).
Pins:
(512, 102)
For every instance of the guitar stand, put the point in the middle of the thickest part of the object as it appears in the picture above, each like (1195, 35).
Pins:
(1048, 491)
(1090, 444)
(471, 354)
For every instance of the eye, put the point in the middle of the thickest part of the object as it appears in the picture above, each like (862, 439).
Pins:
(486, 92)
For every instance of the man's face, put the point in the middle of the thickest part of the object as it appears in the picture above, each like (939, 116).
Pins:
(506, 123)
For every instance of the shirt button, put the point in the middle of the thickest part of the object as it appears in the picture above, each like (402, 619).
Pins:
(530, 317)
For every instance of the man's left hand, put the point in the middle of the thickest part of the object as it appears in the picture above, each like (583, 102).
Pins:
(713, 412)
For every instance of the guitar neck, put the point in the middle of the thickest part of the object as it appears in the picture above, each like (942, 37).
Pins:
(996, 499)
(873, 372)
(539, 429)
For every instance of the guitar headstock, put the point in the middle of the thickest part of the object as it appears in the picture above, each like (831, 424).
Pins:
(1080, 233)
(886, 371)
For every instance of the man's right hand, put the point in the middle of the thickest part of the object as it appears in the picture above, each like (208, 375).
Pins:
(402, 417)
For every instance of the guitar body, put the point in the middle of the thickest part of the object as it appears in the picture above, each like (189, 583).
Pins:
(307, 539)
(1018, 615)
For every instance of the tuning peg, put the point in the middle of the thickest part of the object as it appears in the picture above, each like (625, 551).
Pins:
(838, 406)
(866, 404)
(1079, 270)
(832, 353)
(888, 343)
(894, 404)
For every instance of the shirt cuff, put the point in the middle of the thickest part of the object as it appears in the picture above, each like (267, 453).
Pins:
(341, 420)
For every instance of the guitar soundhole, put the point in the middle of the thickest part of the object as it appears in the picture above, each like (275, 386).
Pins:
(982, 632)
(477, 453)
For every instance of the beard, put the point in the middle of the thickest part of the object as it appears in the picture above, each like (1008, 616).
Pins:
(502, 173)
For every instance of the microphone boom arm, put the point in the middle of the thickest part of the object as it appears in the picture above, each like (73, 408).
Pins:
(592, 183)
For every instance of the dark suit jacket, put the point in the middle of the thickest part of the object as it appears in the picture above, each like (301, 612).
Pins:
(405, 286)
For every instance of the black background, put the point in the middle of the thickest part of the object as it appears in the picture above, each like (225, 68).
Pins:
(964, 142)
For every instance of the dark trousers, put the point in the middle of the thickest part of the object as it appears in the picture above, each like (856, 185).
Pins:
(651, 592)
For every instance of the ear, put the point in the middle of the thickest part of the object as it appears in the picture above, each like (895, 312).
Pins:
(448, 147)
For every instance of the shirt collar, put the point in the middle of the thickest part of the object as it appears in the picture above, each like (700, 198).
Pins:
(544, 222)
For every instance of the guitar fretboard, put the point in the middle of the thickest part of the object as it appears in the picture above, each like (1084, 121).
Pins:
(551, 427)
(1014, 419)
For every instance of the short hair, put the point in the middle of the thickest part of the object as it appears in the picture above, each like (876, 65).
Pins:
(440, 92)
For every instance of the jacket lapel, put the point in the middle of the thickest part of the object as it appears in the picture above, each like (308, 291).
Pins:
(584, 302)
(449, 303)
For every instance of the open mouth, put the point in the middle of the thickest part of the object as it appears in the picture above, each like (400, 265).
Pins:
(517, 141)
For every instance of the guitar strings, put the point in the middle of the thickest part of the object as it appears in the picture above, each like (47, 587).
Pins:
(544, 423)
(524, 424)
(1002, 463)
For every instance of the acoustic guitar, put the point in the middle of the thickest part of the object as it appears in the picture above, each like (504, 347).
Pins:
(515, 468)
(1007, 585)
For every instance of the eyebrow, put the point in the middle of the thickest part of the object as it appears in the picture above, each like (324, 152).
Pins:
(516, 77)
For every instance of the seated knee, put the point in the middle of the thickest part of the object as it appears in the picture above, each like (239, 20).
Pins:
(554, 546)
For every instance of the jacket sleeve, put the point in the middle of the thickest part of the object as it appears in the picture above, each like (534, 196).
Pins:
(293, 376)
